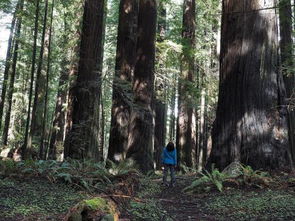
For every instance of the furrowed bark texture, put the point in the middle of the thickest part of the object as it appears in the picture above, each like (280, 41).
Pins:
(186, 126)
(250, 125)
(82, 139)
(140, 140)
(125, 64)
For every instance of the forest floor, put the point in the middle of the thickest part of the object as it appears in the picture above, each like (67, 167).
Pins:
(39, 199)
(172, 203)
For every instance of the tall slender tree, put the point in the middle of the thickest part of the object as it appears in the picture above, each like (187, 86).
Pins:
(13, 74)
(250, 125)
(186, 125)
(82, 139)
(62, 119)
(25, 149)
(8, 61)
(40, 87)
(43, 149)
(125, 64)
(140, 140)
(58, 130)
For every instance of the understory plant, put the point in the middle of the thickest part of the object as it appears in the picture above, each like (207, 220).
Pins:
(215, 178)
(234, 175)
(89, 175)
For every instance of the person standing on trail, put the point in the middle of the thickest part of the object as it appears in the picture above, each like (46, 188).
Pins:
(169, 160)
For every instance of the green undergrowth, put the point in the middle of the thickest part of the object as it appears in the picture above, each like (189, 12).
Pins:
(48, 188)
(36, 198)
(235, 176)
(252, 205)
(87, 175)
(146, 206)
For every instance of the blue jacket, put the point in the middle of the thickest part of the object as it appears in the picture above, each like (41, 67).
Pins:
(169, 157)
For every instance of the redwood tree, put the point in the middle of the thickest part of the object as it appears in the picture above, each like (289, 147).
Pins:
(40, 90)
(140, 142)
(250, 125)
(26, 148)
(125, 64)
(13, 73)
(186, 125)
(58, 130)
(82, 138)
(8, 61)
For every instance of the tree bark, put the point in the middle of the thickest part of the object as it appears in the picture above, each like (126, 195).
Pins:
(140, 145)
(124, 70)
(160, 129)
(201, 129)
(43, 144)
(9, 54)
(26, 146)
(13, 74)
(186, 125)
(40, 86)
(82, 139)
(58, 130)
(172, 120)
(250, 125)
(287, 60)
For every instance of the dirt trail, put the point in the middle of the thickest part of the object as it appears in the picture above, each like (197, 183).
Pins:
(179, 205)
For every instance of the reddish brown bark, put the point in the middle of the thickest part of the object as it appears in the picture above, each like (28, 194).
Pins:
(82, 139)
(125, 64)
(186, 125)
(140, 142)
(250, 125)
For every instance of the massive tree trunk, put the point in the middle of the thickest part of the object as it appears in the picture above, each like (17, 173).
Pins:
(186, 134)
(287, 60)
(140, 141)
(250, 125)
(125, 63)
(9, 54)
(82, 139)
(26, 146)
(40, 86)
(12, 76)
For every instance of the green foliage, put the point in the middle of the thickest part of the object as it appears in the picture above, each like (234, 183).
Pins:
(7, 167)
(208, 179)
(122, 168)
(148, 210)
(253, 205)
(253, 177)
(244, 176)
(186, 170)
(38, 197)
(85, 174)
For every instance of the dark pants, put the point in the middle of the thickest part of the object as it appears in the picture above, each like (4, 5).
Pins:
(172, 173)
